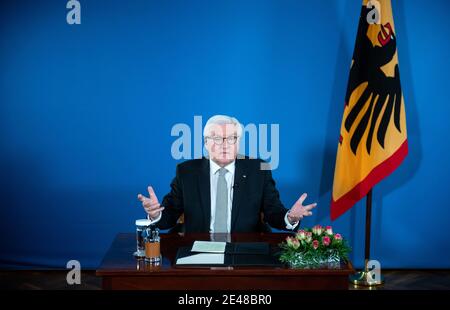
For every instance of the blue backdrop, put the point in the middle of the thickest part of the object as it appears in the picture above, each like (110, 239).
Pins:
(86, 113)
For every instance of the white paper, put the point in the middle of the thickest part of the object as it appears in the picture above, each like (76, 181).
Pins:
(202, 258)
(209, 247)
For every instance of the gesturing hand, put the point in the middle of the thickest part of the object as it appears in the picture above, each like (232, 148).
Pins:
(151, 204)
(298, 210)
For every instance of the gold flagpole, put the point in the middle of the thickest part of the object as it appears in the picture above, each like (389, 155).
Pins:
(366, 276)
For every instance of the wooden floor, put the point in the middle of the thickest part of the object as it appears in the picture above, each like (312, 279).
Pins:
(56, 280)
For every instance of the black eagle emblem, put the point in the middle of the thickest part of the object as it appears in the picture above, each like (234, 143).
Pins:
(367, 62)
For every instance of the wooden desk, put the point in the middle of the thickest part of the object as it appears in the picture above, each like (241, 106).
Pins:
(120, 270)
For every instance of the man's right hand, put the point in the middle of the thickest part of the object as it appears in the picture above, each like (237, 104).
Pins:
(151, 204)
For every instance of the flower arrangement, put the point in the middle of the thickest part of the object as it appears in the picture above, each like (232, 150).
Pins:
(314, 248)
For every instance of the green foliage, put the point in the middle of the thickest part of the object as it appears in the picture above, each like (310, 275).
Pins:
(314, 247)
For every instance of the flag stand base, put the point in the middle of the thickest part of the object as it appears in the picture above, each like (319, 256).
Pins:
(365, 278)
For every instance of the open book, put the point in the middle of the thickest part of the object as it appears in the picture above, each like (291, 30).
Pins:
(212, 253)
(209, 247)
(205, 253)
(202, 259)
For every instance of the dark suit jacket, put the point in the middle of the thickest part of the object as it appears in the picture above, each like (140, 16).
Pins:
(254, 192)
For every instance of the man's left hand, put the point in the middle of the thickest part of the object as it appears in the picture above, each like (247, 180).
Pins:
(298, 210)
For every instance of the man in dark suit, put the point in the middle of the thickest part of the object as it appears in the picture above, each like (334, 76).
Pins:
(225, 193)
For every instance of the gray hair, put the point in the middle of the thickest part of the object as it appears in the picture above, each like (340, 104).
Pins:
(222, 120)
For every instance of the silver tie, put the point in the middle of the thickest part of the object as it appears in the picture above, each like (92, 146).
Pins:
(221, 217)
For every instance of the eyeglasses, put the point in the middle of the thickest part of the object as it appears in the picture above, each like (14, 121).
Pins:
(220, 140)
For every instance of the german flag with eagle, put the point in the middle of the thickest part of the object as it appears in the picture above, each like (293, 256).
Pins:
(373, 141)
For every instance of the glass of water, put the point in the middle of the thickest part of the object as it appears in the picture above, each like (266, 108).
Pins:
(141, 227)
(152, 245)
